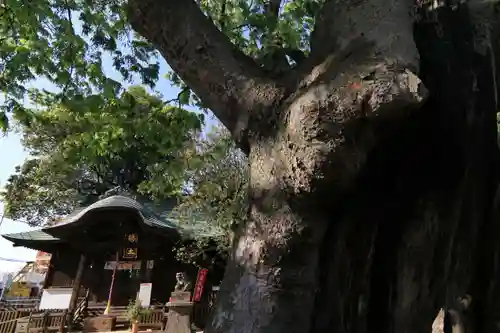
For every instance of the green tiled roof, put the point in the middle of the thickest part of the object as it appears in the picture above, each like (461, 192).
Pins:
(153, 216)
(35, 235)
(118, 201)
(46, 234)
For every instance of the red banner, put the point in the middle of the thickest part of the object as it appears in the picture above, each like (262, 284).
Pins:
(200, 284)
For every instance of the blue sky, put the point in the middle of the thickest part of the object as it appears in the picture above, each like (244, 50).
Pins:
(12, 154)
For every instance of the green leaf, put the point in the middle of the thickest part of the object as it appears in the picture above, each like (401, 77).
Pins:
(218, 175)
(66, 41)
(4, 121)
(184, 96)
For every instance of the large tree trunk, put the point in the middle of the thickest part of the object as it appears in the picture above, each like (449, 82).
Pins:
(371, 194)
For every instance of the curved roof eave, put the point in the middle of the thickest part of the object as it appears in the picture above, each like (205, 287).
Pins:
(117, 201)
(35, 240)
(34, 235)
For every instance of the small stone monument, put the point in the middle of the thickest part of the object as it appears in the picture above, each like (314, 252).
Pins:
(180, 306)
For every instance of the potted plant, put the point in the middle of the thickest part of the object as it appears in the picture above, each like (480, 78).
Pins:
(135, 312)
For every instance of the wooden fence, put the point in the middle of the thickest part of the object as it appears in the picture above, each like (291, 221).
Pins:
(155, 320)
(8, 320)
(15, 303)
(46, 322)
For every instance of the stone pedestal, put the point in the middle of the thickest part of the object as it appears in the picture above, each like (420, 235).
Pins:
(179, 316)
(180, 296)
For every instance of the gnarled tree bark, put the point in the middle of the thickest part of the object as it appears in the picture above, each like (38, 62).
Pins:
(372, 164)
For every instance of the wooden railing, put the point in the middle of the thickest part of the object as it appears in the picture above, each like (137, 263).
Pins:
(34, 322)
(81, 310)
(46, 322)
(8, 320)
(14, 303)
(155, 320)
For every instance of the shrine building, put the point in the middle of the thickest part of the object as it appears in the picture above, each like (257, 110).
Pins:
(106, 250)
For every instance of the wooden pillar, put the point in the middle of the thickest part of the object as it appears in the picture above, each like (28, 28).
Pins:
(76, 289)
(77, 282)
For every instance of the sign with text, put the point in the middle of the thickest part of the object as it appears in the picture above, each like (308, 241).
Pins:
(200, 284)
(124, 265)
(145, 294)
(129, 253)
(19, 289)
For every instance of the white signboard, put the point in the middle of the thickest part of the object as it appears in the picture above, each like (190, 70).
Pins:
(55, 298)
(123, 265)
(145, 294)
(126, 265)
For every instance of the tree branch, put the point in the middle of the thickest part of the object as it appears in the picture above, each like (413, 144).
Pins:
(231, 84)
(70, 20)
(272, 9)
(222, 16)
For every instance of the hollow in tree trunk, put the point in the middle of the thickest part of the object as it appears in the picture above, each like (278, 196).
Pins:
(372, 165)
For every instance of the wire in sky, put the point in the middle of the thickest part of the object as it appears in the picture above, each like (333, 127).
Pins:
(13, 260)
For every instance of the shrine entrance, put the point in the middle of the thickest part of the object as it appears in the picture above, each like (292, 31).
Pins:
(127, 284)
(128, 269)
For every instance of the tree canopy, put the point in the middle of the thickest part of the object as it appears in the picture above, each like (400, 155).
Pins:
(135, 142)
(215, 202)
(68, 42)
